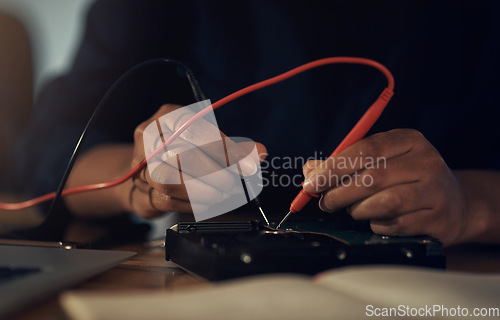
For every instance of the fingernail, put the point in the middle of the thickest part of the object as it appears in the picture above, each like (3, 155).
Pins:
(311, 164)
(248, 167)
(307, 184)
(323, 207)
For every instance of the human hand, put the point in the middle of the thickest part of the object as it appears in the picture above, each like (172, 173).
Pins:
(398, 181)
(162, 190)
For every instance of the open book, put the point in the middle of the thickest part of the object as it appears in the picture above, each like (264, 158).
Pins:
(349, 293)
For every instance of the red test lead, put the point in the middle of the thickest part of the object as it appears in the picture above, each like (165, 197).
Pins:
(357, 133)
(361, 128)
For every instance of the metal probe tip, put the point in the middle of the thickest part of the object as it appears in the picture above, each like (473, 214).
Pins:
(265, 218)
(284, 219)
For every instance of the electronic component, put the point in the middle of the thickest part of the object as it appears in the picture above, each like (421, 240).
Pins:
(224, 250)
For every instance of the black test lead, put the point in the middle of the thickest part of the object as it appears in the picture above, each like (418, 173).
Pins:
(263, 214)
(253, 195)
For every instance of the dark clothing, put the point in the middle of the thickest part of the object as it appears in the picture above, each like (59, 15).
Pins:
(444, 56)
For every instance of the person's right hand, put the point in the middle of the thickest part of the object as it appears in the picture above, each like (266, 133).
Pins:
(153, 193)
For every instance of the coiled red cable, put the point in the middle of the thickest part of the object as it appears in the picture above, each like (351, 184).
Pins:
(359, 130)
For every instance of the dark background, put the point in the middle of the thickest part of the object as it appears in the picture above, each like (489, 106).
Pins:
(444, 56)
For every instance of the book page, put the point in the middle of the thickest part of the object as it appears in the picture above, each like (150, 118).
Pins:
(264, 297)
(416, 288)
(384, 292)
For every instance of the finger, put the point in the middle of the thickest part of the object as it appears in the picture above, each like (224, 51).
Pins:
(367, 182)
(236, 150)
(206, 135)
(201, 136)
(191, 159)
(139, 131)
(140, 180)
(140, 203)
(180, 150)
(197, 162)
(195, 191)
(200, 191)
(184, 155)
(410, 224)
(310, 166)
(262, 151)
(393, 202)
(165, 203)
(152, 204)
(249, 146)
(241, 158)
(365, 153)
(166, 178)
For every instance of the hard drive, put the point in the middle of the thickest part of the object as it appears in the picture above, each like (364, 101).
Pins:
(225, 250)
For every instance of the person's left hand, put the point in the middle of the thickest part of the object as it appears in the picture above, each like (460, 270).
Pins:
(406, 190)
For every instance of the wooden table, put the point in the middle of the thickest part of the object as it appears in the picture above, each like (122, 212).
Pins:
(149, 270)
